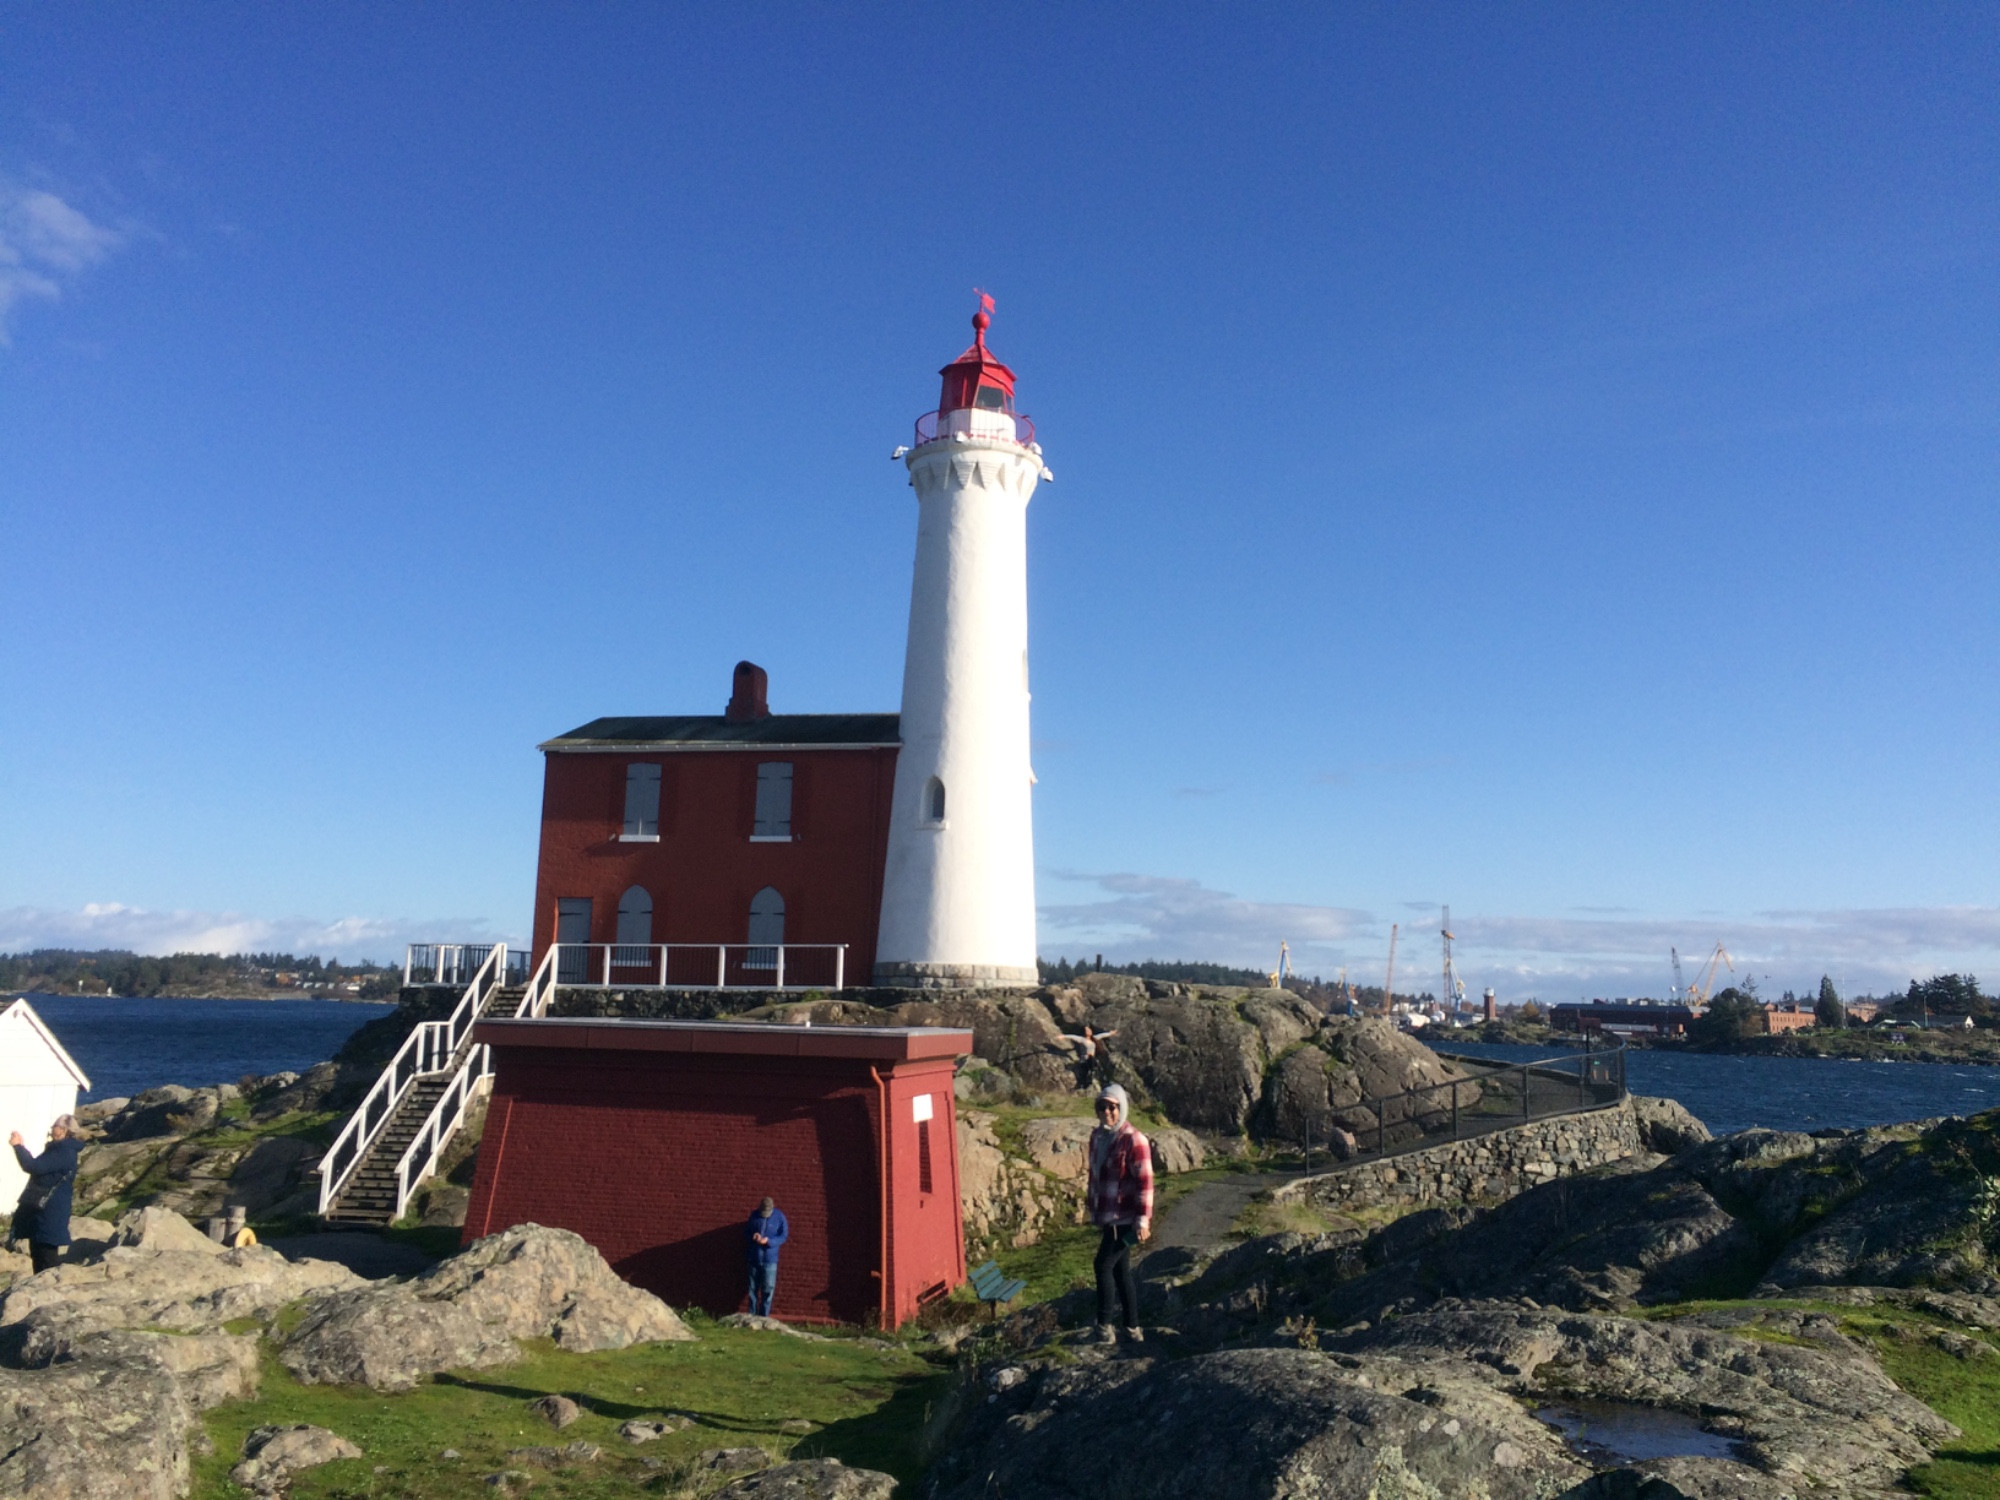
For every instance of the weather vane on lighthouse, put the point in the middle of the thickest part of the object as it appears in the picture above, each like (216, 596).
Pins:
(958, 896)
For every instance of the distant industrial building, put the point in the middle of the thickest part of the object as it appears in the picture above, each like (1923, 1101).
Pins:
(1622, 1018)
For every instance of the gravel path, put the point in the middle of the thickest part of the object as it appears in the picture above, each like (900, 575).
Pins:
(1202, 1220)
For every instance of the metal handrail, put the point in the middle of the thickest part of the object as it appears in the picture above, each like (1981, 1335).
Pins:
(736, 966)
(927, 428)
(1594, 1074)
(430, 1048)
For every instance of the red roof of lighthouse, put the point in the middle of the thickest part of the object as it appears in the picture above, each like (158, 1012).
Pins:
(977, 367)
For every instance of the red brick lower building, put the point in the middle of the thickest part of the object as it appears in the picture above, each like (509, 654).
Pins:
(655, 1139)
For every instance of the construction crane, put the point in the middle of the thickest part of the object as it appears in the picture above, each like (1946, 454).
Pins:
(1284, 969)
(1454, 987)
(1389, 984)
(1703, 987)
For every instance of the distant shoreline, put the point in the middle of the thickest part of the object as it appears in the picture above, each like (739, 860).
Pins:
(1978, 1048)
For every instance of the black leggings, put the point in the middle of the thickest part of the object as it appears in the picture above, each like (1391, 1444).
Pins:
(1114, 1268)
(44, 1256)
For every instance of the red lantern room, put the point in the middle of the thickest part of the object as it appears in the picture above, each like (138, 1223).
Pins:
(977, 399)
(976, 380)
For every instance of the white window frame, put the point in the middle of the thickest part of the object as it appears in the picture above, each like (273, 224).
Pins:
(633, 830)
(758, 817)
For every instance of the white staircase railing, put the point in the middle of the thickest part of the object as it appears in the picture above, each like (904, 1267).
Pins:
(431, 1047)
(420, 1157)
(541, 988)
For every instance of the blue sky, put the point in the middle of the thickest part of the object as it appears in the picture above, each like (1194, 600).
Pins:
(1536, 459)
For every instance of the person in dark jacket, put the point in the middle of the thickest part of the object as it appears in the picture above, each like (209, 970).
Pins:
(762, 1237)
(42, 1216)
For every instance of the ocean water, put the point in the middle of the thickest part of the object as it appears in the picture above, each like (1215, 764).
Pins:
(127, 1046)
(1787, 1093)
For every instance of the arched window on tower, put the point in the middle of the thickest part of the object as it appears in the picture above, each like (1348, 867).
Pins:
(635, 929)
(767, 929)
(934, 801)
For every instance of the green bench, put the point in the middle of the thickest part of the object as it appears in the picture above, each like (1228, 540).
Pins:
(990, 1284)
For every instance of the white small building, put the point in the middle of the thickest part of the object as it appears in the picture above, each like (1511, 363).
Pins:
(39, 1081)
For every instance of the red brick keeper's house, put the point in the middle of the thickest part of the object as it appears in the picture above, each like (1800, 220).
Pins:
(655, 1139)
(671, 844)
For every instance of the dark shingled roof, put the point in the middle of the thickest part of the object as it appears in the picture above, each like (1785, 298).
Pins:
(714, 730)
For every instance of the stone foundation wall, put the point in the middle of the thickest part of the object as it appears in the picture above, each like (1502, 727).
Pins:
(1483, 1169)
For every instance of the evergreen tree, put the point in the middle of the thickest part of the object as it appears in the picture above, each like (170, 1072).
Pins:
(1829, 1012)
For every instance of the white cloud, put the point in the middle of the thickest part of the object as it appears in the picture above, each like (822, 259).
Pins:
(113, 925)
(44, 243)
(1156, 916)
(1873, 950)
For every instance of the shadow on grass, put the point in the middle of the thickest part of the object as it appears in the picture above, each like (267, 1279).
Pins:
(890, 1438)
(626, 1411)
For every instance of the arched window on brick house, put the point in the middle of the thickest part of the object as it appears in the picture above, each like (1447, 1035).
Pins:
(767, 929)
(635, 929)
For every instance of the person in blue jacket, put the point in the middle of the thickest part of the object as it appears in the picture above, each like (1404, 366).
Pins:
(42, 1216)
(762, 1236)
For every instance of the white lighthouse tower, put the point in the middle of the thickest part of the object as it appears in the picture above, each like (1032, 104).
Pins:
(958, 897)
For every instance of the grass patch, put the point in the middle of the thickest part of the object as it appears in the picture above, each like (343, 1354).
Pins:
(1265, 1217)
(870, 1405)
(1965, 1392)
(1054, 1264)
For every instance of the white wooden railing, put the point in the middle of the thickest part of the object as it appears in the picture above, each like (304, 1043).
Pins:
(431, 1047)
(456, 963)
(699, 966)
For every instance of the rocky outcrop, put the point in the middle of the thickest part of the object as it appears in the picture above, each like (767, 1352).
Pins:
(387, 1339)
(811, 1479)
(1250, 1423)
(113, 1416)
(1442, 1402)
(1212, 1058)
(174, 1147)
(1910, 1206)
(158, 1229)
(532, 1282)
(272, 1455)
(467, 1312)
(1814, 1412)
(1666, 1127)
(193, 1289)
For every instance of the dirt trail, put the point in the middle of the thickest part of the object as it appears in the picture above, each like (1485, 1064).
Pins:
(1202, 1220)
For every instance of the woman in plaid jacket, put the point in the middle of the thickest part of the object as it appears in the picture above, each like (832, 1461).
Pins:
(1120, 1200)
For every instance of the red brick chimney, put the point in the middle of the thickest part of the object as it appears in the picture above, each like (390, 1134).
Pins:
(746, 696)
